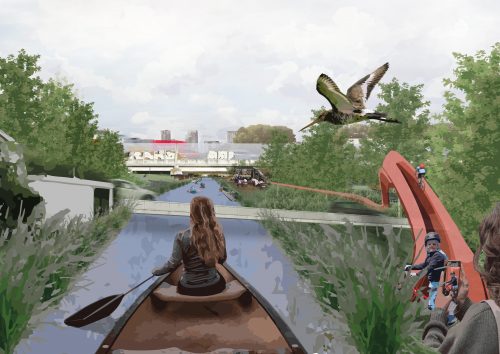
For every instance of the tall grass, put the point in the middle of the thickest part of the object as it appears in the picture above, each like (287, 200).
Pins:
(38, 262)
(357, 279)
(275, 197)
(355, 272)
(158, 183)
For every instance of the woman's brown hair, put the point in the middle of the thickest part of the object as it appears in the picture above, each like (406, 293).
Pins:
(489, 243)
(206, 233)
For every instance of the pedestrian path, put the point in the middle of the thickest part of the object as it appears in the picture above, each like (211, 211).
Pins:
(245, 213)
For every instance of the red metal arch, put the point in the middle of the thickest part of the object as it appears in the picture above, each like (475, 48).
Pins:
(426, 213)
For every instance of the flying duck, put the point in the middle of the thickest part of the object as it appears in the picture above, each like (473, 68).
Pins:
(349, 108)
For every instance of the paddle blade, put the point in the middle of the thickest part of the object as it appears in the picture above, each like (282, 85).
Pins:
(95, 311)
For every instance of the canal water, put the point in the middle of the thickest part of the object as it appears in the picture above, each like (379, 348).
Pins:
(146, 242)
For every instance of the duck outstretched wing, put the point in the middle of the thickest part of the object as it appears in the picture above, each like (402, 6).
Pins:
(327, 88)
(359, 92)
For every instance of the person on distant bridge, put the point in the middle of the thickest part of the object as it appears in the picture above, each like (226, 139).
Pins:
(452, 284)
(199, 248)
(420, 169)
(479, 328)
(435, 264)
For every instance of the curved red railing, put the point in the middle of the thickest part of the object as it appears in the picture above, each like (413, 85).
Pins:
(425, 213)
(354, 197)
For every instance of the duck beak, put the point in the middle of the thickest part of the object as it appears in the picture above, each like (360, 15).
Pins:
(317, 120)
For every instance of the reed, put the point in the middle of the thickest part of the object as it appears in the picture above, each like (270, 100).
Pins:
(355, 273)
(38, 262)
(158, 183)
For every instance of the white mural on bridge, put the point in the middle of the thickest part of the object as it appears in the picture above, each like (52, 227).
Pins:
(172, 156)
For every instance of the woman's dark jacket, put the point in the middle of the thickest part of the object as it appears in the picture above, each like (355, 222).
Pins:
(433, 260)
(196, 272)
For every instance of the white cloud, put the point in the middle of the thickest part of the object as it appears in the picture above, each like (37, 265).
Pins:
(284, 71)
(219, 65)
(141, 118)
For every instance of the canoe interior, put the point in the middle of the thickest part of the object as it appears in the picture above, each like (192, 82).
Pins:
(218, 327)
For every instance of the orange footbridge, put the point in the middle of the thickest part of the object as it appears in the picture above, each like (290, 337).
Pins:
(425, 213)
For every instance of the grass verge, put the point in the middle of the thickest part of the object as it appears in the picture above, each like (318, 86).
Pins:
(39, 261)
(158, 183)
(354, 272)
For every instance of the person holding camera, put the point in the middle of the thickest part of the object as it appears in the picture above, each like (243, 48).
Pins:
(479, 327)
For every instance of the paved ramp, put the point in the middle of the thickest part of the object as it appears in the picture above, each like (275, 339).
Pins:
(244, 213)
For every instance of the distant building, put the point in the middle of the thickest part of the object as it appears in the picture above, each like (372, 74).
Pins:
(166, 135)
(212, 142)
(192, 137)
(230, 136)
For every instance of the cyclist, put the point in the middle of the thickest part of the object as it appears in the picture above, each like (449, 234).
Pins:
(420, 172)
(452, 285)
(434, 262)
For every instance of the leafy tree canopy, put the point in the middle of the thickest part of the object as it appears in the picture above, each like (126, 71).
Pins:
(56, 128)
(469, 139)
(261, 134)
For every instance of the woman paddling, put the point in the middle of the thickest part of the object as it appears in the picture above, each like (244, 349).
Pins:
(199, 248)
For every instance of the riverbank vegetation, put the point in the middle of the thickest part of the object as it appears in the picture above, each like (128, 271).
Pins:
(158, 183)
(356, 276)
(55, 133)
(461, 149)
(351, 270)
(58, 131)
(39, 260)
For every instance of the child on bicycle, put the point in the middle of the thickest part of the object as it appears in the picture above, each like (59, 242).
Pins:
(420, 171)
(434, 262)
(453, 285)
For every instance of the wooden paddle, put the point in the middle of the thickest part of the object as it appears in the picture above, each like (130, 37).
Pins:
(98, 309)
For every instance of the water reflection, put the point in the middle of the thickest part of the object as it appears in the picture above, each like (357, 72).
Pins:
(146, 242)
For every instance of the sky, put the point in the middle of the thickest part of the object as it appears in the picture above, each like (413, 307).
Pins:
(215, 66)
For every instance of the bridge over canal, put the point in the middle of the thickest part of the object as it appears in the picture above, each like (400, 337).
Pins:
(245, 213)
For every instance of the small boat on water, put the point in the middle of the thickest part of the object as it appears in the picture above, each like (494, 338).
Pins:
(202, 185)
(238, 320)
(192, 190)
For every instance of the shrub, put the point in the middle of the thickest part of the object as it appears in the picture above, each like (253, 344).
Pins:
(17, 199)
(38, 262)
(355, 273)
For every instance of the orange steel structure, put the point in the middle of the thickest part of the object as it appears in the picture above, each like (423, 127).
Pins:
(425, 213)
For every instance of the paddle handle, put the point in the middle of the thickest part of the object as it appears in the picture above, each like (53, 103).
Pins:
(138, 285)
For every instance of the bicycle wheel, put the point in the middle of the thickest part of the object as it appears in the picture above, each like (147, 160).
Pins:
(421, 183)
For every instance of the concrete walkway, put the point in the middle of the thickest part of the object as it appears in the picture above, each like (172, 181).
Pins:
(235, 212)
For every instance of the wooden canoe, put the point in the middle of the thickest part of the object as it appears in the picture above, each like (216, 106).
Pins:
(239, 320)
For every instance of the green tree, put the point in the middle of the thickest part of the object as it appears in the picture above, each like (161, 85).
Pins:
(405, 103)
(107, 155)
(53, 124)
(469, 179)
(81, 126)
(325, 159)
(16, 197)
(19, 95)
(275, 155)
(261, 134)
(328, 158)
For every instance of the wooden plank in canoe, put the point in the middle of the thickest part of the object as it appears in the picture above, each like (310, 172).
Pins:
(168, 293)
